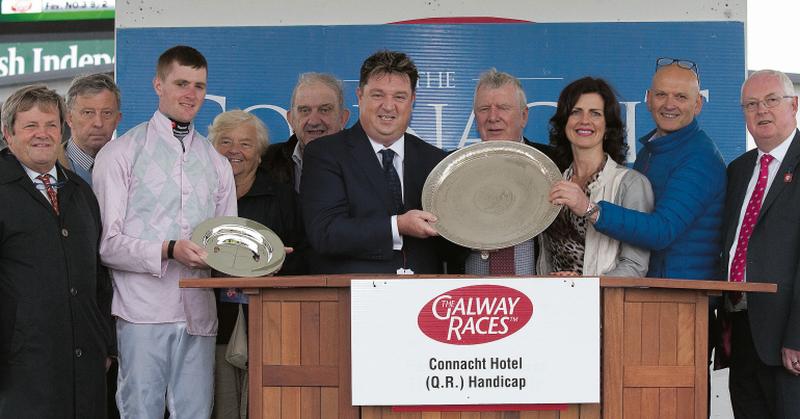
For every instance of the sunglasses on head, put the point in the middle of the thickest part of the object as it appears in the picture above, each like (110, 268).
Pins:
(687, 64)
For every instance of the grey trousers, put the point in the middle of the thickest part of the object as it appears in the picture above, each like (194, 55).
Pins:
(162, 364)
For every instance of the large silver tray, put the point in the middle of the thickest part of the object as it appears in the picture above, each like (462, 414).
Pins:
(239, 246)
(492, 195)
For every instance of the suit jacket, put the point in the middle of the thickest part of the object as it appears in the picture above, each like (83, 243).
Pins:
(278, 162)
(772, 252)
(548, 151)
(346, 205)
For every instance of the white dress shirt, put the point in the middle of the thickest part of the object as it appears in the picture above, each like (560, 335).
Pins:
(38, 183)
(779, 153)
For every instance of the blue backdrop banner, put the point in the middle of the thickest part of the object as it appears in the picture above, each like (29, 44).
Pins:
(255, 69)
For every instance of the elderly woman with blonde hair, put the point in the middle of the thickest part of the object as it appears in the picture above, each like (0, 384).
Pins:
(242, 138)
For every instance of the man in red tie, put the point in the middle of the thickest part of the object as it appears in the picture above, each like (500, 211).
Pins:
(56, 330)
(501, 113)
(761, 243)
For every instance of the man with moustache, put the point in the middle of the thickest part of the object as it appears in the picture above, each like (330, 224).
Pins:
(687, 174)
(317, 109)
(56, 330)
(155, 184)
(93, 104)
(501, 113)
(761, 243)
(361, 189)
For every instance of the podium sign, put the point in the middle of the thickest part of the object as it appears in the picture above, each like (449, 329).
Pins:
(487, 341)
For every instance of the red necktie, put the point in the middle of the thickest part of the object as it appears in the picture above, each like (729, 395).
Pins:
(501, 262)
(748, 222)
(51, 191)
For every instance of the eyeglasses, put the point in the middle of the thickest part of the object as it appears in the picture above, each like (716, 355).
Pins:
(687, 64)
(770, 101)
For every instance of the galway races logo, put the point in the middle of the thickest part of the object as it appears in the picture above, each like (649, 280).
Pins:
(475, 314)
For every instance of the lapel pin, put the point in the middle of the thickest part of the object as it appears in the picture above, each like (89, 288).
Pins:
(787, 178)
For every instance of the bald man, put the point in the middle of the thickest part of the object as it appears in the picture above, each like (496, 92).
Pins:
(687, 173)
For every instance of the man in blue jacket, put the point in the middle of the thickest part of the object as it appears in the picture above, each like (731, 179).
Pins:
(688, 176)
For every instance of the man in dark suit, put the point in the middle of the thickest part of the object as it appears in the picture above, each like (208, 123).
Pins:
(317, 109)
(93, 113)
(761, 243)
(362, 187)
(56, 330)
(501, 113)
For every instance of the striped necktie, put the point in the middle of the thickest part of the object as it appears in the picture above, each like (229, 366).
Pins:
(51, 191)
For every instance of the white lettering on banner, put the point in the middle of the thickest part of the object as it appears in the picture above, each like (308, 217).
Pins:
(12, 64)
(436, 79)
(630, 128)
(474, 315)
(438, 109)
(496, 312)
(222, 101)
(71, 60)
(474, 306)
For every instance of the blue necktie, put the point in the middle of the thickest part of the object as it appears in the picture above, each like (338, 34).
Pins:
(393, 180)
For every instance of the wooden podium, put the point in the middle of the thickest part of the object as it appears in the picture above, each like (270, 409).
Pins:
(654, 349)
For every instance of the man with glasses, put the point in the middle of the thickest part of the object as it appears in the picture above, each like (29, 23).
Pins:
(687, 173)
(761, 243)
(56, 331)
(93, 114)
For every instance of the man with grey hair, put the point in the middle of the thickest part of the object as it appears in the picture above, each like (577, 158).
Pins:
(501, 113)
(761, 241)
(501, 110)
(317, 109)
(56, 330)
(93, 113)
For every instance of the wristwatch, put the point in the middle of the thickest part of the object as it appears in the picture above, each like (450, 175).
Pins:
(591, 210)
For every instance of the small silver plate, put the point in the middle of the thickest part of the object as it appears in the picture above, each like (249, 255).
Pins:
(492, 195)
(240, 247)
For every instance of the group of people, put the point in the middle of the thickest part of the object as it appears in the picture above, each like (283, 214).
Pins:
(87, 212)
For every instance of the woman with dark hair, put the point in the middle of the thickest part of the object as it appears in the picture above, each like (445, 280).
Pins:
(587, 132)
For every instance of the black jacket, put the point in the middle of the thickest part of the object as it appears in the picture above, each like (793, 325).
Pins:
(274, 205)
(278, 163)
(550, 152)
(56, 328)
(772, 252)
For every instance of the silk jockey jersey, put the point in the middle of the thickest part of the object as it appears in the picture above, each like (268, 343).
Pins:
(153, 188)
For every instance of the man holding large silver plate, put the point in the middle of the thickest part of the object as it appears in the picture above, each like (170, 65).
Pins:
(361, 187)
(492, 196)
